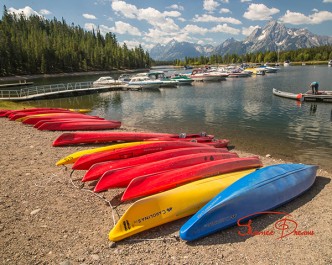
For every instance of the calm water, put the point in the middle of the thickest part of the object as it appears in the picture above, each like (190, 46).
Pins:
(242, 110)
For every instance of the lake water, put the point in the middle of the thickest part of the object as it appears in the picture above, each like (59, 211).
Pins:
(243, 110)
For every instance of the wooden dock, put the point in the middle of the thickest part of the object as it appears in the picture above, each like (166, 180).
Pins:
(54, 91)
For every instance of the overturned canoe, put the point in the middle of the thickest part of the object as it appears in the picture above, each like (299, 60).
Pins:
(148, 185)
(262, 190)
(122, 178)
(85, 162)
(86, 125)
(72, 138)
(98, 169)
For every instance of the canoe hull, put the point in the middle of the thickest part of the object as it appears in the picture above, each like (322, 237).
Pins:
(259, 191)
(97, 170)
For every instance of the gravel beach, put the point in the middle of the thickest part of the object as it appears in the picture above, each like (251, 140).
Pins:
(48, 218)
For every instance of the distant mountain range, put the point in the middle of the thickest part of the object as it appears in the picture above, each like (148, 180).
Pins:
(271, 37)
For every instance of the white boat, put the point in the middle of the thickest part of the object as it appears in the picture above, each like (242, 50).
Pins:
(287, 63)
(182, 79)
(124, 78)
(106, 81)
(139, 82)
(329, 63)
(160, 76)
(205, 75)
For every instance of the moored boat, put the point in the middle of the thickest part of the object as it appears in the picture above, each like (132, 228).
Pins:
(140, 82)
(106, 81)
(262, 190)
(283, 94)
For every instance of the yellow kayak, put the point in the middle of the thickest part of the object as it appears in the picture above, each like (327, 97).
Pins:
(70, 159)
(171, 205)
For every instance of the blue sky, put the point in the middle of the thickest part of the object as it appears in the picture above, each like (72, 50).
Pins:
(148, 22)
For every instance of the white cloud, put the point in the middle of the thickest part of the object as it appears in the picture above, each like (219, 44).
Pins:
(151, 15)
(249, 30)
(194, 29)
(89, 16)
(123, 28)
(225, 10)
(210, 5)
(260, 12)
(296, 18)
(243, 1)
(127, 10)
(45, 12)
(177, 7)
(327, 1)
(226, 29)
(26, 11)
(209, 18)
(172, 14)
(315, 10)
(90, 26)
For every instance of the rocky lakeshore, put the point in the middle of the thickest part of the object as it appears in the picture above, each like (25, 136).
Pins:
(47, 217)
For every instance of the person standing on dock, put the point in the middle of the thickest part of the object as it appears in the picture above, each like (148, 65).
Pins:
(314, 87)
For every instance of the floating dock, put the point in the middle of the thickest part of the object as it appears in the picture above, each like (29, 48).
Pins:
(55, 91)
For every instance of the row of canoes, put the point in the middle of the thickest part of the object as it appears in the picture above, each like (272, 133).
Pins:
(170, 176)
(58, 119)
(169, 180)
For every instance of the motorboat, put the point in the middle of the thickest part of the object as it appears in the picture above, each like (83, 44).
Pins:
(255, 71)
(139, 82)
(160, 76)
(208, 75)
(106, 81)
(182, 79)
(329, 63)
(287, 63)
(124, 78)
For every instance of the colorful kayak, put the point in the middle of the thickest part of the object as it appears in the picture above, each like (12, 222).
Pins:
(85, 162)
(122, 178)
(33, 119)
(148, 185)
(262, 190)
(171, 205)
(70, 159)
(73, 138)
(97, 170)
(18, 116)
(79, 125)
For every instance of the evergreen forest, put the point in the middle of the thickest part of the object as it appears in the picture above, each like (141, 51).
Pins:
(34, 45)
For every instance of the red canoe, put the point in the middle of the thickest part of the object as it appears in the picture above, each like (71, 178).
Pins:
(34, 119)
(105, 137)
(21, 114)
(148, 185)
(86, 161)
(80, 125)
(122, 178)
(64, 120)
(27, 110)
(97, 170)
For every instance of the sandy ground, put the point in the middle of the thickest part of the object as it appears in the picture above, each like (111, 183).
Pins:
(46, 219)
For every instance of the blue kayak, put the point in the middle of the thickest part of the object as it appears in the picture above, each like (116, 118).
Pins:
(262, 190)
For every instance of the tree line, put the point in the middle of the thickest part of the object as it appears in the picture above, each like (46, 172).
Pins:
(322, 53)
(34, 45)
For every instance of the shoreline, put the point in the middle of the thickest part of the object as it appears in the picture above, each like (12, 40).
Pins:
(48, 220)
(37, 76)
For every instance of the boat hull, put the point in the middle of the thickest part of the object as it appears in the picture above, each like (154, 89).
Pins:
(148, 185)
(262, 190)
(97, 170)
(122, 178)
